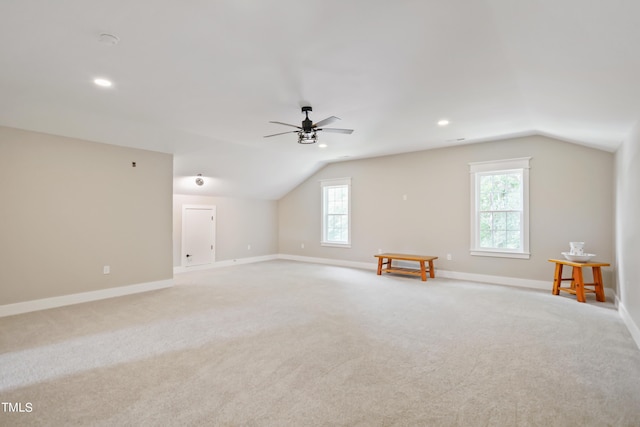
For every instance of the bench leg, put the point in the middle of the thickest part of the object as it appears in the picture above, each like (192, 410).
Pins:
(432, 273)
(597, 279)
(557, 279)
(423, 273)
(380, 265)
(579, 283)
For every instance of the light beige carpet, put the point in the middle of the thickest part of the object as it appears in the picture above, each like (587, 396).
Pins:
(284, 343)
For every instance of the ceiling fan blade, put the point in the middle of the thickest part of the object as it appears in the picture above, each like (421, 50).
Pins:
(326, 121)
(281, 133)
(287, 124)
(331, 130)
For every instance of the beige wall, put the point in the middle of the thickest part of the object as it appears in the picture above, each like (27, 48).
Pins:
(68, 207)
(239, 223)
(628, 225)
(571, 199)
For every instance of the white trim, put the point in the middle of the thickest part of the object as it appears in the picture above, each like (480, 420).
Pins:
(63, 300)
(545, 285)
(336, 245)
(500, 254)
(446, 274)
(520, 165)
(491, 165)
(335, 182)
(324, 183)
(337, 262)
(497, 280)
(634, 330)
(225, 263)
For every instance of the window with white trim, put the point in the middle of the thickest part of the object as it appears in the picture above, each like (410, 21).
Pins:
(500, 208)
(336, 212)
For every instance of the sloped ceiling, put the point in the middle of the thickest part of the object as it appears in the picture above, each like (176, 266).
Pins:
(202, 79)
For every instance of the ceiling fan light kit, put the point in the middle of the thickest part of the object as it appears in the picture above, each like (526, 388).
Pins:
(307, 133)
(307, 138)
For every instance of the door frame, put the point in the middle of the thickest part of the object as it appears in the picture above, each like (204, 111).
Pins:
(184, 225)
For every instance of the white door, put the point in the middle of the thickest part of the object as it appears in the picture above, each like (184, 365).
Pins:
(198, 235)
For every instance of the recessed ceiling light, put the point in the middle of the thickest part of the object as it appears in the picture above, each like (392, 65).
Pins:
(103, 82)
(443, 122)
(321, 145)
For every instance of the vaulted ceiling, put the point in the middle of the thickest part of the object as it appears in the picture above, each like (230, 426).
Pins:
(202, 78)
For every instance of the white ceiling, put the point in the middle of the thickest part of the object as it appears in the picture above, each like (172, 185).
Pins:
(202, 79)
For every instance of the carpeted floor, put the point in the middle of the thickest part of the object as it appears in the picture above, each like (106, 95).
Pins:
(284, 343)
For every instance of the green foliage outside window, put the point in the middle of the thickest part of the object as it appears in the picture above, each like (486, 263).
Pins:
(337, 211)
(500, 206)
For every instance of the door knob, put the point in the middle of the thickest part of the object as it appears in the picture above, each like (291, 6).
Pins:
(188, 255)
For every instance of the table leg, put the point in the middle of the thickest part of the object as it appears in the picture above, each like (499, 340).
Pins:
(579, 283)
(597, 279)
(557, 279)
(380, 265)
(432, 273)
(423, 273)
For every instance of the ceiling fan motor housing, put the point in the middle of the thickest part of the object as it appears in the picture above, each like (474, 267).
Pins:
(307, 125)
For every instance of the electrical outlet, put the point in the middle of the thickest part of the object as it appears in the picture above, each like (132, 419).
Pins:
(302, 245)
(248, 247)
(404, 197)
(379, 251)
(449, 257)
(106, 269)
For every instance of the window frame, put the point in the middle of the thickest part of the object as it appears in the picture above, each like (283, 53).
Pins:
(328, 183)
(496, 167)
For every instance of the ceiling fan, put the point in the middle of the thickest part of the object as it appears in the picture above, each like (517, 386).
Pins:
(307, 132)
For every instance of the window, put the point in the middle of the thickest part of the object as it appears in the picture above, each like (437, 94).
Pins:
(500, 208)
(336, 212)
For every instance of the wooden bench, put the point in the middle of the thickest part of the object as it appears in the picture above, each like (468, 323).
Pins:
(422, 271)
(577, 286)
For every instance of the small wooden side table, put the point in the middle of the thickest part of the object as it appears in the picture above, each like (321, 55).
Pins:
(577, 287)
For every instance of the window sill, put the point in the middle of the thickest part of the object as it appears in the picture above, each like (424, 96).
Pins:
(500, 254)
(336, 245)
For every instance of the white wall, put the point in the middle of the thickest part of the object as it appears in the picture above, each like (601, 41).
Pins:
(69, 207)
(239, 223)
(571, 199)
(628, 230)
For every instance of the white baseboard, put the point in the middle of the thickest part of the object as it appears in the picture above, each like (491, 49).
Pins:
(330, 261)
(546, 285)
(500, 280)
(633, 328)
(225, 263)
(53, 302)
(497, 280)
